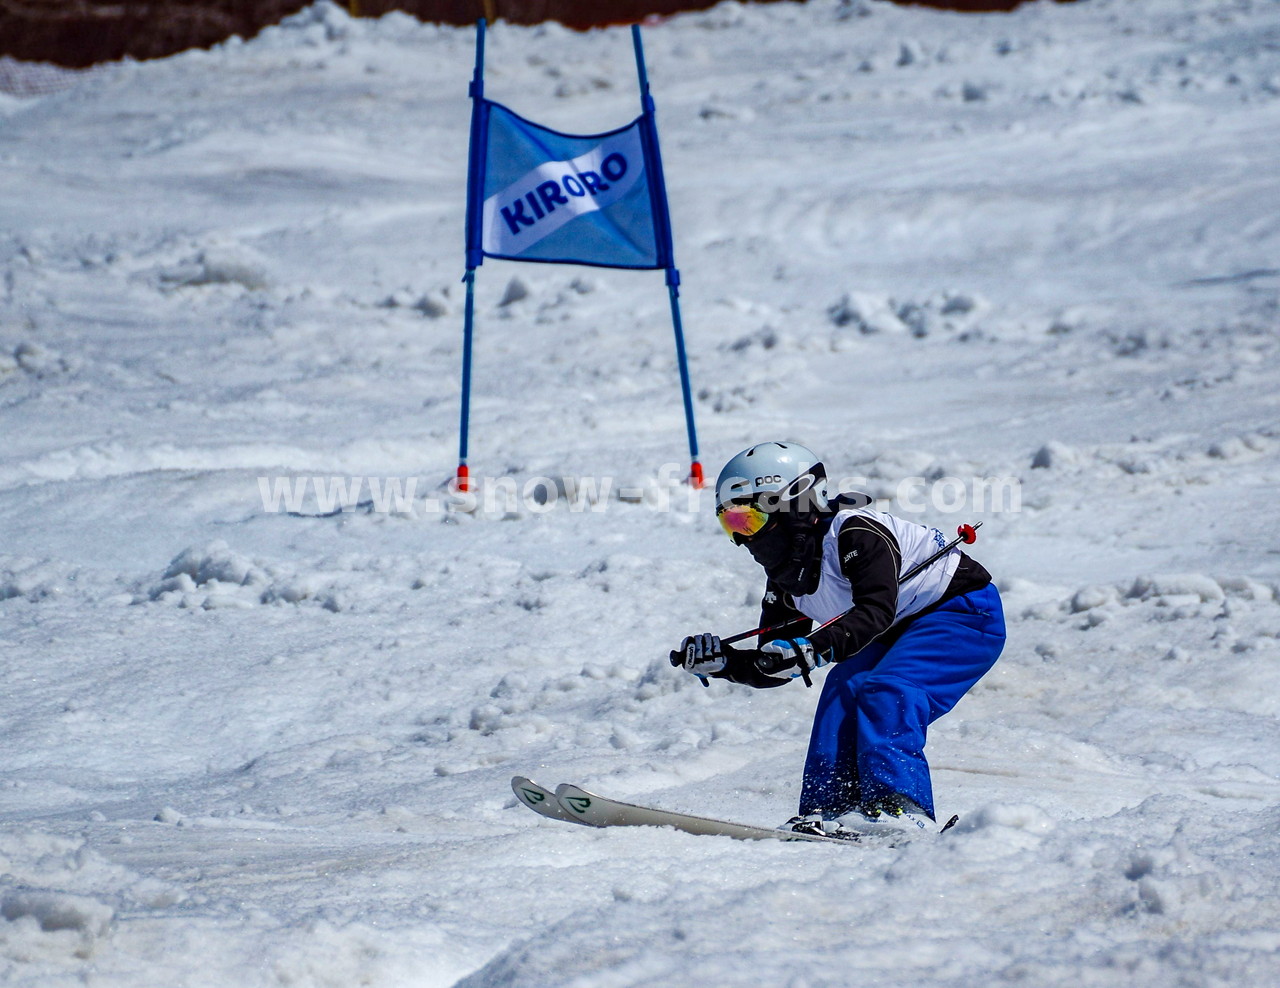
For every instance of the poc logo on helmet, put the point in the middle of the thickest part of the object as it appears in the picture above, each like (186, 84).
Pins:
(774, 479)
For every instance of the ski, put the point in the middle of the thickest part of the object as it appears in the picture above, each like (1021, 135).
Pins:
(573, 804)
(600, 811)
(541, 800)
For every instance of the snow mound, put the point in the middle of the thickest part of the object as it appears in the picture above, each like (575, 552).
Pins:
(236, 265)
(318, 25)
(215, 563)
(59, 898)
(35, 580)
(38, 360)
(53, 911)
(1194, 585)
(948, 313)
(1009, 816)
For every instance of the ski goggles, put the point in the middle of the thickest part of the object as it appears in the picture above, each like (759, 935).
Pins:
(742, 521)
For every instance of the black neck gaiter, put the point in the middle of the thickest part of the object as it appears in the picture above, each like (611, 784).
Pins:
(791, 552)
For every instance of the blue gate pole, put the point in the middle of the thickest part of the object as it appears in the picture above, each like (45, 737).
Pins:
(666, 247)
(475, 250)
(463, 477)
(673, 290)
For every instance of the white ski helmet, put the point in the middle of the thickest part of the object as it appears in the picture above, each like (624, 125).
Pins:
(765, 480)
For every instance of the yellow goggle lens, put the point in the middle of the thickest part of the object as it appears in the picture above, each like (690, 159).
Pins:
(742, 520)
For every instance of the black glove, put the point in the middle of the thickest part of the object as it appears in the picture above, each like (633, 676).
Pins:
(789, 658)
(701, 655)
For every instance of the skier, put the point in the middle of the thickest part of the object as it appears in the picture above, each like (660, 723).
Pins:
(901, 657)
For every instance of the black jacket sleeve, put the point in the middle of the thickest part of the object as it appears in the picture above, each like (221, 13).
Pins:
(871, 560)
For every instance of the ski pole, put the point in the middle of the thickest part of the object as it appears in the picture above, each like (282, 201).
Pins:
(968, 534)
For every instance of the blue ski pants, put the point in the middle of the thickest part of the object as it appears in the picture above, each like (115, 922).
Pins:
(876, 706)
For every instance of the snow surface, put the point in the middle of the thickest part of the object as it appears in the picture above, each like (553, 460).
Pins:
(243, 747)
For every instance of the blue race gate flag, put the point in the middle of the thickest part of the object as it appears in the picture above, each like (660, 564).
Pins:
(535, 194)
(564, 198)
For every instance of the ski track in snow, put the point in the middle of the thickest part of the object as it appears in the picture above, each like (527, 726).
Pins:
(251, 748)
